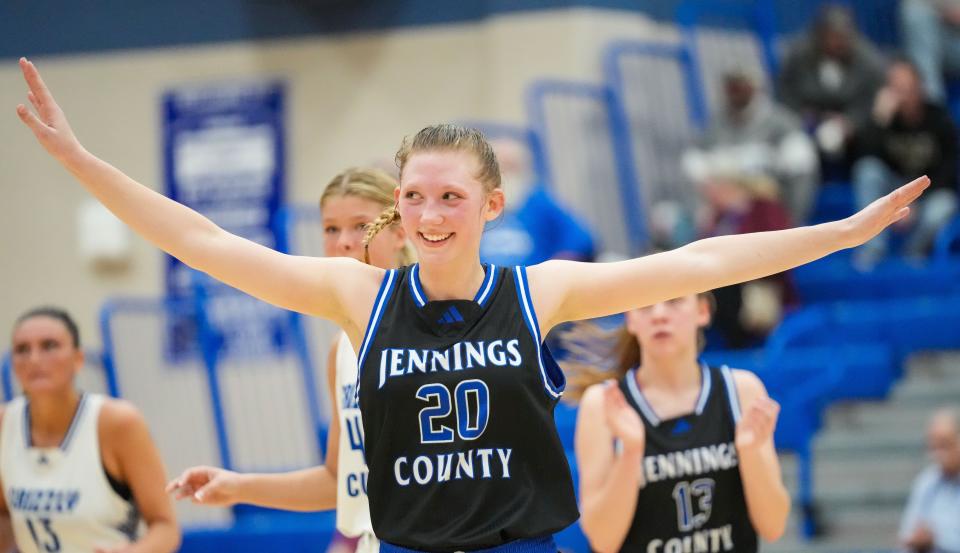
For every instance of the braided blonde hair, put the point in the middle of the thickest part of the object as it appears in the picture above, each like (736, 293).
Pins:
(389, 216)
(439, 138)
(370, 184)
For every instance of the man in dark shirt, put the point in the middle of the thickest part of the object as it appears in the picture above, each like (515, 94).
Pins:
(907, 136)
(829, 76)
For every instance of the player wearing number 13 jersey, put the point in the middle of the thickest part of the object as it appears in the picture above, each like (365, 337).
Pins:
(693, 491)
(676, 456)
(457, 399)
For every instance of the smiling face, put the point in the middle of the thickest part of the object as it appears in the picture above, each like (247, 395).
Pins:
(45, 357)
(669, 327)
(443, 205)
(344, 221)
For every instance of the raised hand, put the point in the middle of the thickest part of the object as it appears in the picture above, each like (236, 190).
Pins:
(757, 424)
(48, 124)
(207, 486)
(883, 212)
(622, 419)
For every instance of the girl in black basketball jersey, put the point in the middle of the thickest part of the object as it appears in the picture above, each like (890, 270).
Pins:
(456, 389)
(696, 441)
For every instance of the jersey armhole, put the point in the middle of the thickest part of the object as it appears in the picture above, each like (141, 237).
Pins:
(376, 315)
(732, 396)
(554, 380)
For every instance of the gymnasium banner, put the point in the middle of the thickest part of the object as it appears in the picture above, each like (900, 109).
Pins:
(223, 149)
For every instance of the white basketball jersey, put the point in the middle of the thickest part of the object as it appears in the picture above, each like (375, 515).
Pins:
(353, 511)
(59, 497)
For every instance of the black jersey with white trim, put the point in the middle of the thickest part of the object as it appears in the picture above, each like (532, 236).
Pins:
(457, 400)
(693, 497)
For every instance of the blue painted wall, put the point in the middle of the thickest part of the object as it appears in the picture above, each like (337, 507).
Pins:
(45, 27)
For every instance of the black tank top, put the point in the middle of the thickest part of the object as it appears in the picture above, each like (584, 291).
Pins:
(693, 498)
(457, 399)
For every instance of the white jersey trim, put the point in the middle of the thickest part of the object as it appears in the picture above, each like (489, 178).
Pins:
(732, 395)
(706, 384)
(530, 317)
(379, 304)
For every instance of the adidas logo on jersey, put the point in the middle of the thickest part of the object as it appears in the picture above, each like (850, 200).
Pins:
(450, 316)
(681, 427)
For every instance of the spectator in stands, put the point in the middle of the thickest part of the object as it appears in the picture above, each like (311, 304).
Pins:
(537, 227)
(911, 136)
(829, 78)
(754, 134)
(739, 203)
(931, 521)
(931, 37)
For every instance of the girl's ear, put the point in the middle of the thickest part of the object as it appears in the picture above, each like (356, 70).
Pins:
(78, 361)
(703, 312)
(630, 320)
(495, 204)
(400, 236)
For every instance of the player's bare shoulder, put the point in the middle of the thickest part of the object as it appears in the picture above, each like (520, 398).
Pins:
(118, 420)
(749, 386)
(357, 294)
(592, 399)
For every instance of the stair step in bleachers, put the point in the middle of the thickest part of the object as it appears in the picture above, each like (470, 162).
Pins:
(868, 455)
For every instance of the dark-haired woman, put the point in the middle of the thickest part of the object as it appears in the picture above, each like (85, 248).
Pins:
(79, 471)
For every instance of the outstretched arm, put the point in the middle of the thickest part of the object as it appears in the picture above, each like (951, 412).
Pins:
(565, 290)
(609, 480)
(310, 285)
(311, 489)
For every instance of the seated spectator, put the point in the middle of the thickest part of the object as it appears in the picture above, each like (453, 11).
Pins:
(534, 227)
(931, 521)
(931, 38)
(754, 134)
(738, 204)
(829, 78)
(905, 137)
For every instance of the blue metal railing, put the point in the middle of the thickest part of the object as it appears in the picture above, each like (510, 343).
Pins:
(206, 345)
(682, 54)
(624, 170)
